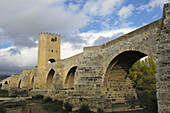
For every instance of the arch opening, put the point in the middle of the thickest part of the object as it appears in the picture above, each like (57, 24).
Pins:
(117, 86)
(51, 61)
(49, 81)
(6, 82)
(19, 84)
(32, 82)
(69, 81)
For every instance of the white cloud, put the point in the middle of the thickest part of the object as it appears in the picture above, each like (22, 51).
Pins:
(67, 50)
(101, 7)
(91, 37)
(23, 19)
(12, 63)
(125, 12)
(152, 4)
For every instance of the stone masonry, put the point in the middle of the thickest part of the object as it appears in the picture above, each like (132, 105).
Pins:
(98, 76)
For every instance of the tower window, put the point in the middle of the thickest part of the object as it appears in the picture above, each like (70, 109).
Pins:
(51, 50)
(54, 39)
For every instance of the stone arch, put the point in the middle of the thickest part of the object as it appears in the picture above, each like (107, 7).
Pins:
(69, 81)
(6, 82)
(32, 82)
(49, 81)
(51, 60)
(19, 84)
(117, 87)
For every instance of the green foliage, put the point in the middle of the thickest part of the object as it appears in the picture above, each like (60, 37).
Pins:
(58, 101)
(68, 107)
(84, 109)
(4, 93)
(142, 75)
(2, 109)
(38, 97)
(47, 99)
(100, 110)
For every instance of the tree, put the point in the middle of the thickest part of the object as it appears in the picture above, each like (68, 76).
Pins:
(142, 75)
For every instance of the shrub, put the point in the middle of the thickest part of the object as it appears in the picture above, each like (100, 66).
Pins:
(2, 109)
(58, 101)
(84, 109)
(100, 110)
(38, 97)
(47, 99)
(68, 107)
(4, 93)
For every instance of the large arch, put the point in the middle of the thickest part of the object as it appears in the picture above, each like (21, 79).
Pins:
(117, 87)
(69, 81)
(49, 81)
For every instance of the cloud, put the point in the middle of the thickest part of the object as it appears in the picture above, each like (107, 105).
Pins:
(14, 60)
(101, 7)
(126, 11)
(94, 38)
(21, 20)
(14, 51)
(153, 4)
(68, 50)
(102, 40)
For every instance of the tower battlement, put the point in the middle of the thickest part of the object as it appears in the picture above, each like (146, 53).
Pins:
(48, 48)
(48, 35)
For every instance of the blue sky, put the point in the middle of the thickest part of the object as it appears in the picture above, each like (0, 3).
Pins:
(79, 22)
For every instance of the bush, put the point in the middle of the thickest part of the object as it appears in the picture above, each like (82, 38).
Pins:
(84, 109)
(4, 93)
(68, 107)
(58, 101)
(2, 109)
(38, 97)
(47, 99)
(100, 110)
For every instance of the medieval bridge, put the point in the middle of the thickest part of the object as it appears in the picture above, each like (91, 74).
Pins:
(98, 75)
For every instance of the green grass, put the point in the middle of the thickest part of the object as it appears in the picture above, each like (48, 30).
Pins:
(4, 93)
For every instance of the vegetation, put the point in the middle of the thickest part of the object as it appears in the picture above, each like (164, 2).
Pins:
(47, 99)
(85, 109)
(38, 97)
(3, 93)
(142, 74)
(68, 107)
(100, 110)
(53, 106)
(2, 109)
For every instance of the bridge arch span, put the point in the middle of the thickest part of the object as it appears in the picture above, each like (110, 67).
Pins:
(49, 80)
(69, 80)
(117, 87)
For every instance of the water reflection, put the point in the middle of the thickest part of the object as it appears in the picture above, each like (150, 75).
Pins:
(27, 109)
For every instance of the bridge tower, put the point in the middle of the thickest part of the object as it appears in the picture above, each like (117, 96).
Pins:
(48, 52)
(48, 49)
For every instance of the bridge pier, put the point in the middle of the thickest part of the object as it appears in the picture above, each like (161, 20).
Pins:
(163, 64)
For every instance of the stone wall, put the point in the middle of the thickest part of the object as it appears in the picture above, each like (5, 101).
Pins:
(163, 64)
(98, 76)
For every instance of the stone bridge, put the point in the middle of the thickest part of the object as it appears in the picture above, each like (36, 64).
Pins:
(98, 75)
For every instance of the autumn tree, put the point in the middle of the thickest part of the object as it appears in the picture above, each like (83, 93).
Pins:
(143, 77)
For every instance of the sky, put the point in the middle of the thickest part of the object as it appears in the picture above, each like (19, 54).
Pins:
(80, 23)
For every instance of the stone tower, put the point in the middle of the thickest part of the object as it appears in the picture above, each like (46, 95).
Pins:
(48, 49)
(48, 52)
